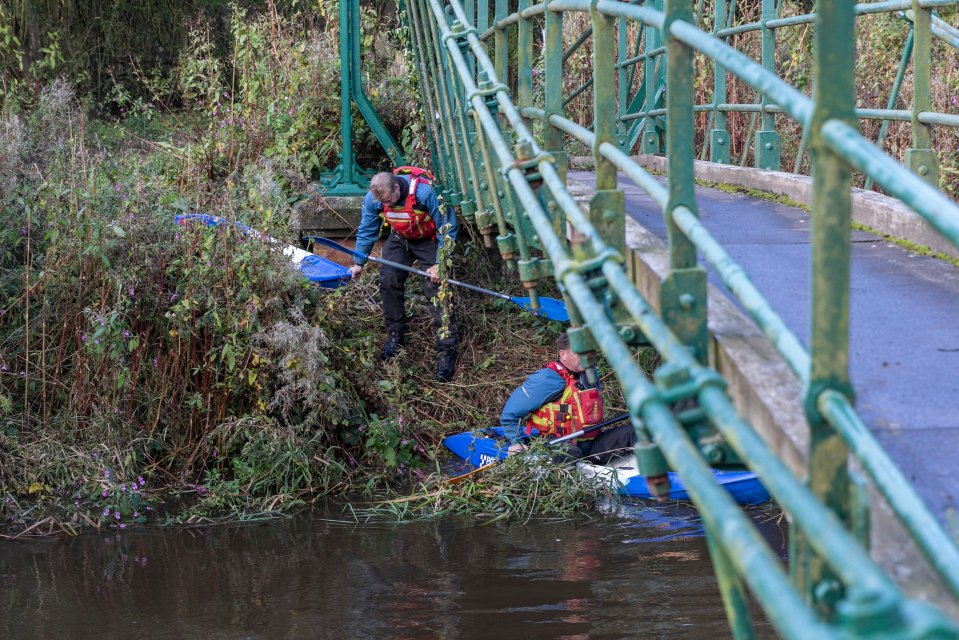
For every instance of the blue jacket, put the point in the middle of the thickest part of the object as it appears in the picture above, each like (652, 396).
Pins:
(370, 221)
(538, 389)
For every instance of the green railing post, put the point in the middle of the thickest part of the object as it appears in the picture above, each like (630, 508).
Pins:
(922, 158)
(489, 212)
(442, 162)
(455, 122)
(524, 58)
(553, 102)
(454, 189)
(767, 150)
(434, 137)
(683, 292)
(651, 132)
(731, 589)
(829, 336)
(624, 79)
(501, 49)
(718, 136)
(607, 209)
(893, 95)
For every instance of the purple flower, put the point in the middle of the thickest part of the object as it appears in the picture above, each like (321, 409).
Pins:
(83, 337)
(126, 333)
(116, 515)
(123, 526)
(106, 512)
(106, 473)
(142, 482)
(103, 494)
(404, 442)
(201, 489)
(155, 362)
(123, 487)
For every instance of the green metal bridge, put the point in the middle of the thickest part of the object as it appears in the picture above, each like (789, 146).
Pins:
(497, 136)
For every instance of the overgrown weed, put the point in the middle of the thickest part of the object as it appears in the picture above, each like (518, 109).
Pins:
(518, 487)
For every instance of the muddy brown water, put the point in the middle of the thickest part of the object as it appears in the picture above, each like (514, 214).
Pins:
(642, 572)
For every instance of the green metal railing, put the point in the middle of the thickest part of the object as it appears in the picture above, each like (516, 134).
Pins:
(512, 183)
(921, 21)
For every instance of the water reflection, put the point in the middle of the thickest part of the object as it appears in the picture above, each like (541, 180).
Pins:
(639, 572)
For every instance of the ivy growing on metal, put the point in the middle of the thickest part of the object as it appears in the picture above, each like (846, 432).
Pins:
(511, 184)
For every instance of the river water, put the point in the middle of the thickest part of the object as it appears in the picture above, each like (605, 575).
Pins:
(642, 572)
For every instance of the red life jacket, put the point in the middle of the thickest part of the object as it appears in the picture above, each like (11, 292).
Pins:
(408, 221)
(575, 409)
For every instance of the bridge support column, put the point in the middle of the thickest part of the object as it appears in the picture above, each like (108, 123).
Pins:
(683, 293)
(922, 158)
(829, 336)
(718, 136)
(652, 74)
(768, 146)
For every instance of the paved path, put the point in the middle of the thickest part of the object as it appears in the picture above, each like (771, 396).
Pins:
(904, 320)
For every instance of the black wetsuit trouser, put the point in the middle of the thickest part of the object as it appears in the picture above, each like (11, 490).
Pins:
(617, 441)
(393, 287)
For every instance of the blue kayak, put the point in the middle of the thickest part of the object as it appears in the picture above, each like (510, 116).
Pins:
(324, 272)
(490, 446)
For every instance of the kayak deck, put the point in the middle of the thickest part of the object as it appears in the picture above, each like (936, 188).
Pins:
(478, 450)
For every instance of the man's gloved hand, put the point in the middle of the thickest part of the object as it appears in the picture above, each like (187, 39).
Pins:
(355, 270)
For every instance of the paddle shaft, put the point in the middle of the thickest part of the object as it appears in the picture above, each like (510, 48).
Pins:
(396, 265)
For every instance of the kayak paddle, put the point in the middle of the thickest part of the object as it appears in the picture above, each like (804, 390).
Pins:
(551, 443)
(549, 307)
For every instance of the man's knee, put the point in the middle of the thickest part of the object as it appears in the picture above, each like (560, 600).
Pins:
(391, 279)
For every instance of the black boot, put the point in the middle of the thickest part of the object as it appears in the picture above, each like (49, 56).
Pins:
(392, 345)
(446, 365)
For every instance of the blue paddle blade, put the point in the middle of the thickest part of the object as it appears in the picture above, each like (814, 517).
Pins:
(548, 308)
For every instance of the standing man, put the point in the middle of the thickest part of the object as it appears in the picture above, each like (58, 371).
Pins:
(556, 401)
(419, 226)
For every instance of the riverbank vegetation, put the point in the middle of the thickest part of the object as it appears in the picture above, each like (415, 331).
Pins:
(154, 374)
